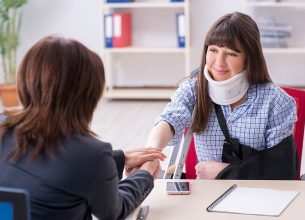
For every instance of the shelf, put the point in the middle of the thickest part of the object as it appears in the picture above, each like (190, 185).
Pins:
(288, 50)
(154, 48)
(277, 4)
(140, 93)
(283, 60)
(145, 5)
(146, 50)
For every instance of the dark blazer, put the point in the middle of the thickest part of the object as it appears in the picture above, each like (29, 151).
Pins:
(82, 179)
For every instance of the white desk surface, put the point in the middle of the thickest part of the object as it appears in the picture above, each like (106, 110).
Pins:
(204, 192)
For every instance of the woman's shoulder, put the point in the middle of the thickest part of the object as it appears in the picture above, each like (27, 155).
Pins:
(270, 89)
(273, 93)
(187, 88)
(189, 83)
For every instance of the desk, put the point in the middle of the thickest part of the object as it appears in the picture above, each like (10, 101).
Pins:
(204, 192)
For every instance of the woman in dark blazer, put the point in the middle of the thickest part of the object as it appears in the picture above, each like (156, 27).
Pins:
(49, 150)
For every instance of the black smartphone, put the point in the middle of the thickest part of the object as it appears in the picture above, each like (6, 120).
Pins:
(178, 188)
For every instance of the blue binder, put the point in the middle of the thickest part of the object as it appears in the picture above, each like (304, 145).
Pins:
(177, 0)
(108, 31)
(180, 18)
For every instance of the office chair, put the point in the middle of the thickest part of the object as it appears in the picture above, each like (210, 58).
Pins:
(298, 133)
(299, 96)
(14, 204)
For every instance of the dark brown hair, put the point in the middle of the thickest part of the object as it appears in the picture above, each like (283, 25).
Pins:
(60, 82)
(230, 31)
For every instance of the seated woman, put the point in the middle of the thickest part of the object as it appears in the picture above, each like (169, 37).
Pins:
(242, 122)
(49, 150)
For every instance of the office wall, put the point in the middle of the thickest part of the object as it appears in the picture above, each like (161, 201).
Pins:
(77, 19)
(80, 19)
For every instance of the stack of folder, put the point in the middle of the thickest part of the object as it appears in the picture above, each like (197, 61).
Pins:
(117, 30)
(274, 34)
(117, 27)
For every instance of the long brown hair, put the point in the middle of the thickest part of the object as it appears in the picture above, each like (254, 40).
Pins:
(60, 82)
(228, 31)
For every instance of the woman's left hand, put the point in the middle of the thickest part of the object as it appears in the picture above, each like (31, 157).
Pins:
(209, 169)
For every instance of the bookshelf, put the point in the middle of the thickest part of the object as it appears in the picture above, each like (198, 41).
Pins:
(284, 63)
(146, 4)
(152, 66)
(275, 4)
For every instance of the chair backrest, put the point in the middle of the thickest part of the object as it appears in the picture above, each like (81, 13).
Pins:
(299, 96)
(298, 133)
(191, 161)
(14, 204)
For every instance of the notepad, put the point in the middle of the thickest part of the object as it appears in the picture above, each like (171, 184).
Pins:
(253, 201)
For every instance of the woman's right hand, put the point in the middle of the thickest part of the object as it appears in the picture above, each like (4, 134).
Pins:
(135, 157)
(153, 167)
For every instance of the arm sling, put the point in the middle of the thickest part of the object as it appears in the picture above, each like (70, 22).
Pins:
(276, 163)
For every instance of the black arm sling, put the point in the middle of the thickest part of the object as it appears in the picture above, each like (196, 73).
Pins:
(276, 163)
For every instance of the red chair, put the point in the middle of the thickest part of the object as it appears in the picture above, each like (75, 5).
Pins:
(298, 133)
(299, 96)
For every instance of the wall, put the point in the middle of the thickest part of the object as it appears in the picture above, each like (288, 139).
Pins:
(80, 19)
(77, 19)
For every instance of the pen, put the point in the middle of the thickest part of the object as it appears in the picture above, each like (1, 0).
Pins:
(220, 198)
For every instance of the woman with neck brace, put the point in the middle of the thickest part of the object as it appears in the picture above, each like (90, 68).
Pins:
(234, 75)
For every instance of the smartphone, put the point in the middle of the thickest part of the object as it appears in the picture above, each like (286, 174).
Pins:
(178, 188)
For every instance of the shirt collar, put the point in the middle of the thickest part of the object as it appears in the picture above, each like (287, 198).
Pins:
(251, 94)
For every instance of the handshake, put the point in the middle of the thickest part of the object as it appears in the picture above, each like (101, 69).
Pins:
(143, 159)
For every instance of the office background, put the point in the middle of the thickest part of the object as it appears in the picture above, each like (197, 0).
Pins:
(81, 20)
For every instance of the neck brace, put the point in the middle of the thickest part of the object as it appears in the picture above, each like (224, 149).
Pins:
(228, 91)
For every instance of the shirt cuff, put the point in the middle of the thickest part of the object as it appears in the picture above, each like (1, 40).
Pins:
(119, 158)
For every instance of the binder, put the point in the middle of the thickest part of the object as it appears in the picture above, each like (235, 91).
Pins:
(177, 0)
(253, 201)
(108, 31)
(180, 17)
(121, 29)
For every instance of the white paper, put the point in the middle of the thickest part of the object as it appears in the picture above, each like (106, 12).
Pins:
(256, 201)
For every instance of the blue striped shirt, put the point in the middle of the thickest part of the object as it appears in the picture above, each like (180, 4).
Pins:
(264, 120)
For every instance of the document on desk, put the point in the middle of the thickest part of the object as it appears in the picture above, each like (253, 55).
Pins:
(253, 201)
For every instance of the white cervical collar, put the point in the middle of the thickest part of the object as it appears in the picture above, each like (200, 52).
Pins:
(228, 91)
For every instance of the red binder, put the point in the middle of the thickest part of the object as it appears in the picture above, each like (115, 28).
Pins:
(121, 29)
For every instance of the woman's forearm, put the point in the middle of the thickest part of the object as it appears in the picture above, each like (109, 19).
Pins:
(160, 135)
